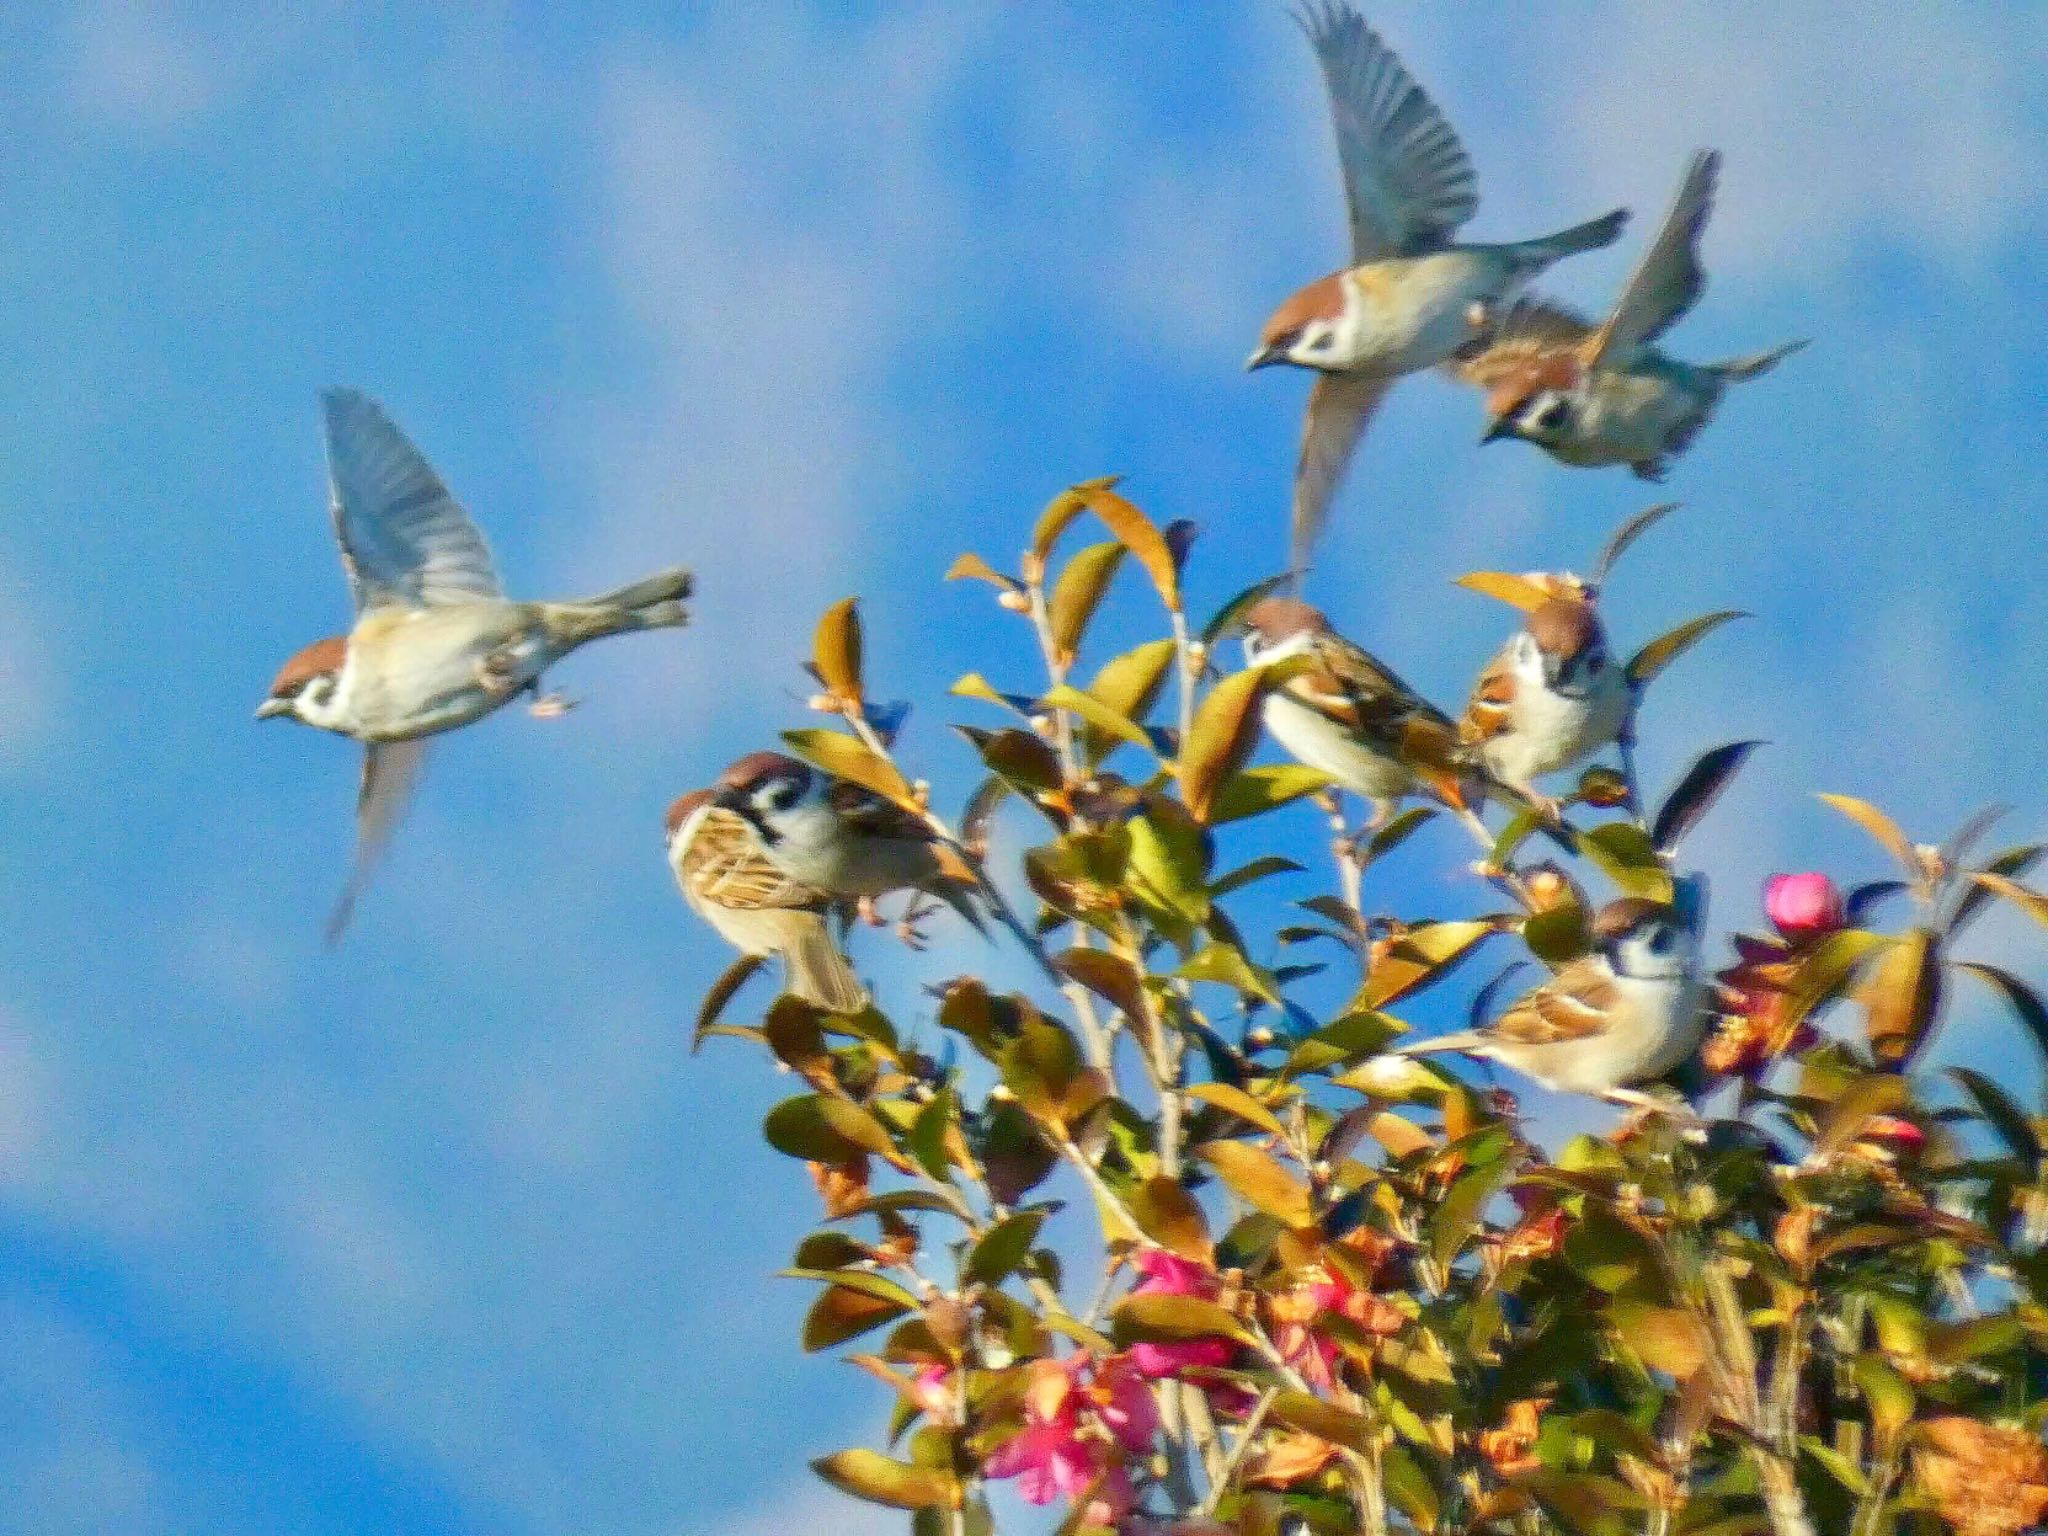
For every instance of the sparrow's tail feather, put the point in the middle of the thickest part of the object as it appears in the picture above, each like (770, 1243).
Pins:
(666, 586)
(960, 897)
(1738, 368)
(1589, 236)
(819, 973)
(574, 624)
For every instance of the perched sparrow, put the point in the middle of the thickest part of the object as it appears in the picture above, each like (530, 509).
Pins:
(729, 881)
(1626, 1013)
(1346, 714)
(1550, 699)
(1411, 299)
(436, 642)
(837, 836)
(1593, 395)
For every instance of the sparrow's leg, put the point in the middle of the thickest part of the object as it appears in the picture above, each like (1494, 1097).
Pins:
(910, 926)
(548, 706)
(864, 908)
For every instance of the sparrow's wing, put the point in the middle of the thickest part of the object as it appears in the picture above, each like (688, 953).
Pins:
(1669, 279)
(391, 772)
(403, 537)
(1575, 1004)
(1349, 687)
(1491, 707)
(1528, 333)
(723, 865)
(1339, 406)
(1408, 179)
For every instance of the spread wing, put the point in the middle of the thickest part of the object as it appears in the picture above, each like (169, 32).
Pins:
(1407, 178)
(391, 772)
(1669, 279)
(403, 537)
(723, 866)
(1339, 406)
(1491, 707)
(1526, 334)
(1572, 1005)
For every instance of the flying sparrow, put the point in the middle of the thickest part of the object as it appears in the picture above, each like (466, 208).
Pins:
(729, 881)
(1593, 395)
(1550, 699)
(436, 642)
(1345, 713)
(839, 837)
(1626, 1013)
(1411, 298)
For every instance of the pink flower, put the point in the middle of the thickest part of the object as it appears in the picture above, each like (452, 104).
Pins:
(1049, 1461)
(1077, 1429)
(932, 1390)
(1125, 1406)
(1803, 906)
(1161, 1273)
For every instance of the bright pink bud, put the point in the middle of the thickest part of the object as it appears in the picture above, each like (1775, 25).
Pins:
(1891, 1131)
(1161, 1273)
(1156, 1362)
(1803, 906)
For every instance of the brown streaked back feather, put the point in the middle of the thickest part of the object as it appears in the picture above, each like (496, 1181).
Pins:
(1572, 1005)
(1350, 687)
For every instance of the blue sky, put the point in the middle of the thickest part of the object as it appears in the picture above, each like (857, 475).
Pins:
(445, 1232)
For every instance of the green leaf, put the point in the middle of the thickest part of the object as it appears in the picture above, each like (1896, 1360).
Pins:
(730, 980)
(1667, 648)
(867, 1283)
(1398, 830)
(1668, 1339)
(927, 1139)
(1258, 869)
(1622, 537)
(1326, 1421)
(876, 1478)
(1254, 791)
(841, 1313)
(1169, 862)
(1902, 996)
(1626, 855)
(1824, 973)
(1887, 1392)
(1421, 957)
(2012, 863)
(846, 757)
(1078, 593)
(1129, 686)
(836, 650)
(1876, 1093)
(1017, 757)
(1043, 1068)
(2018, 996)
(817, 1129)
(829, 1250)
(1226, 964)
(1003, 1249)
(1156, 1317)
(1230, 616)
(1557, 934)
(1256, 1178)
(2004, 1116)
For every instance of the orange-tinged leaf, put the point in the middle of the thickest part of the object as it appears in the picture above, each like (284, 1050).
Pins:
(840, 1314)
(1170, 1216)
(1516, 591)
(1881, 827)
(1137, 533)
(1669, 1339)
(1239, 1103)
(1053, 521)
(1668, 647)
(848, 757)
(1129, 684)
(836, 649)
(1225, 730)
(2027, 899)
(1110, 977)
(1257, 1178)
(972, 565)
(1419, 957)
(1096, 713)
(878, 1479)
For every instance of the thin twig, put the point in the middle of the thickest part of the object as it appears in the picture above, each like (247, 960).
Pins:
(1254, 1422)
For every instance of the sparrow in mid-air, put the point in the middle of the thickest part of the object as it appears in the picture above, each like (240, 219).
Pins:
(1626, 1013)
(1411, 298)
(1345, 713)
(436, 642)
(1593, 395)
(1550, 699)
(719, 860)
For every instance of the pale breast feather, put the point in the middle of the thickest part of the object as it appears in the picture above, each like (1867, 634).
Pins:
(722, 864)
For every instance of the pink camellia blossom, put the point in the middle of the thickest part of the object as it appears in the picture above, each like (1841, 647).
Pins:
(1125, 1406)
(1161, 1273)
(1803, 906)
(1080, 1417)
(932, 1390)
(1049, 1461)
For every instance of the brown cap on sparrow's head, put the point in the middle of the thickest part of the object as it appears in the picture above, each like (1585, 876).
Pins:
(321, 659)
(1293, 330)
(1276, 619)
(683, 807)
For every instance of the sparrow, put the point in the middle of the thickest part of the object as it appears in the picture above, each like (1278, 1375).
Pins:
(1549, 699)
(1593, 395)
(1625, 1013)
(436, 642)
(722, 865)
(1345, 713)
(839, 837)
(1411, 298)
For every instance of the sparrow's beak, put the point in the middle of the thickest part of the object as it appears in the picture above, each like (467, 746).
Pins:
(271, 708)
(1498, 428)
(1265, 357)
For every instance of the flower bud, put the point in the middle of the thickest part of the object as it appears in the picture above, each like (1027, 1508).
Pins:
(1014, 600)
(1804, 905)
(1603, 787)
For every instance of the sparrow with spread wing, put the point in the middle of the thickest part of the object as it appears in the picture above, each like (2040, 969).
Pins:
(1345, 713)
(1411, 298)
(1627, 1012)
(728, 879)
(436, 642)
(1595, 395)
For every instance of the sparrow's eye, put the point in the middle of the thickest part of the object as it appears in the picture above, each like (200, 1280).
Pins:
(1322, 341)
(1660, 939)
(783, 796)
(1552, 414)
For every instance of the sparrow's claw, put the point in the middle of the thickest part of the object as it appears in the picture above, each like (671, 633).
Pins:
(864, 908)
(498, 673)
(910, 926)
(550, 706)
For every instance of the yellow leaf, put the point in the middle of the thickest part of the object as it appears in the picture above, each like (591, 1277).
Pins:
(847, 757)
(972, 565)
(1239, 1103)
(1258, 1180)
(1137, 534)
(1077, 594)
(1172, 1218)
(1096, 713)
(1516, 591)
(2028, 900)
(1669, 1339)
(835, 650)
(1667, 648)
(872, 1476)
(1881, 827)
(1225, 729)
(1422, 955)
(1901, 996)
